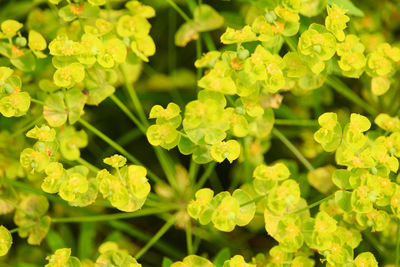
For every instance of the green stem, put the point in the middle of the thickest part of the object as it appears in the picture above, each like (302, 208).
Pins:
(22, 227)
(254, 200)
(156, 237)
(291, 43)
(209, 42)
(135, 99)
(115, 216)
(33, 190)
(312, 205)
(87, 165)
(397, 244)
(17, 207)
(292, 148)
(124, 140)
(127, 228)
(198, 56)
(128, 113)
(38, 101)
(246, 162)
(305, 123)
(189, 241)
(165, 162)
(118, 148)
(343, 89)
(203, 178)
(376, 244)
(206, 35)
(392, 107)
(193, 170)
(168, 167)
(179, 10)
(192, 5)
(27, 127)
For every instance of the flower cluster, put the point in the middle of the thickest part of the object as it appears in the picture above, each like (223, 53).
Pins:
(224, 210)
(277, 66)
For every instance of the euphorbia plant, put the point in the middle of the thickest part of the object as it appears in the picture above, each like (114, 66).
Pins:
(276, 145)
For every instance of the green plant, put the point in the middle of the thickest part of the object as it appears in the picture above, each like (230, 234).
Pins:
(279, 147)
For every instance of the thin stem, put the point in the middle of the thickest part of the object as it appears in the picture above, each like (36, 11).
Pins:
(156, 237)
(397, 244)
(135, 100)
(27, 127)
(198, 56)
(254, 200)
(189, 241)
(140, 235)
(291, 43)
(206, 35)
(117, 147)
(88, 165)
(312, 205)
(305, 123)
(396, 111)
(292, 148)
(17, 207)
(179, 10)
(343, 89)
(209, 41)
(33, 190)
(203, 178)
(376, 244)
(38, 101)
(165, 162)
(193, 170)
(22, 227)
(115, 216)
(124, 139)
(392, 105)
(128, 113)
(246, 162)
(196, 244)
(168, 167)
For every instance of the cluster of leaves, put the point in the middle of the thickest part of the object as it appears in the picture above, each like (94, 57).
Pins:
(367, 188)
(128, 189)
(224, 210)
(110, 255)
(97, 46)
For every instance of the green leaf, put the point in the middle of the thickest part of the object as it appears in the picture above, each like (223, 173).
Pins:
(54, 240)
(36, 41)
(55, 111)
(347, 4)
(15, 105)
(115, 161)
(5, 240)
(229, 150)
(193, 261)
(86, 240)
(343, 199)
(26, 62)
(246, 212)
(71, 141)
(341, 179)
(166, 262)
(207, 18)
(223, 255)
(186, 147)
(75, 100)
(186, 33)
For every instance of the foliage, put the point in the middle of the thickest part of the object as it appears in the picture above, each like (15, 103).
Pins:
(277, 144)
